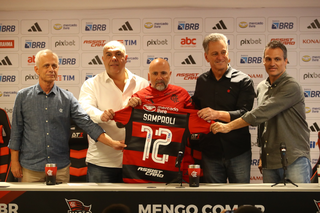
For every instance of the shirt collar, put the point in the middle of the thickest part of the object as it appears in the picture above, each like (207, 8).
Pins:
(40, 90)
(284, 75)
(131, 76)
(228, 73)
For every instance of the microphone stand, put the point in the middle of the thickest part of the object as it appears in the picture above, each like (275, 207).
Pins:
(285, 180)
(180, 175)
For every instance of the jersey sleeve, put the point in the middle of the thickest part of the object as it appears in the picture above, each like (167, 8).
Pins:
(123, 116)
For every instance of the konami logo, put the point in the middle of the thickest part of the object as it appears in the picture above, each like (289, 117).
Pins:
(6, 43)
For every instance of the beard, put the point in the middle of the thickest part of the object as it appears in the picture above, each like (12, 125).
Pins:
(160, 85)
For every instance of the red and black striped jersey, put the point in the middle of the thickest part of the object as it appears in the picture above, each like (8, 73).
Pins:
(154, 136)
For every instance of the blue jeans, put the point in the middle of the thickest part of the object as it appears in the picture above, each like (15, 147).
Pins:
(98, 174)
(298, 172)
(236, 170)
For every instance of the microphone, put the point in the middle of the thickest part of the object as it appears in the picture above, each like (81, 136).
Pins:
(179, 159)
(283, 150)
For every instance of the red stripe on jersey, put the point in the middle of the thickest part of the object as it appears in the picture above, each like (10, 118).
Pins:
(177, 133)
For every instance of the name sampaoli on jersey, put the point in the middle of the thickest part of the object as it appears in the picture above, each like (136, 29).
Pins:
(159, 119)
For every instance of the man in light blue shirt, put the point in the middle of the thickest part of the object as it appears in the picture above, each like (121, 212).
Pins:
(41, 125)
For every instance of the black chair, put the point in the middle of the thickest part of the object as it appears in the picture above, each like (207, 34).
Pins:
(5, 156)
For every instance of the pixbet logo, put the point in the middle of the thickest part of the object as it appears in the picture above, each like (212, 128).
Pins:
(311, 75)
(157, 42)
(250, 41)
(65, 43)
(31, 77)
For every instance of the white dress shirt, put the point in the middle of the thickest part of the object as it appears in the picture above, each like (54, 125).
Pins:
(98, 94)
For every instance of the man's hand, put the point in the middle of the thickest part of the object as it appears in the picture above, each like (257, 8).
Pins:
(219, 127)
(208, 114)
(107, 115)
(119, 145)
(16, 169)
(260, 166)
(134, 101)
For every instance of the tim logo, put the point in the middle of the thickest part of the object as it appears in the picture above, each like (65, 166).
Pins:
(76, 206)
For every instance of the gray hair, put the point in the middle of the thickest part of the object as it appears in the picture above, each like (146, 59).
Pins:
(212, 38)
(41, 52)
(276, 44)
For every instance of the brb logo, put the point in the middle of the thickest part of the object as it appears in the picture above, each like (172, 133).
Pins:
(7, 28)
(150, 59)
(182, 25)
(67, 61)
(311, 94)
(34, 45)
(282, 25)
(250, 60)
(7, 78)
(95, 27)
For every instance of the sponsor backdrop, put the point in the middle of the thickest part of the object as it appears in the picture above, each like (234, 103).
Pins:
(174, 34)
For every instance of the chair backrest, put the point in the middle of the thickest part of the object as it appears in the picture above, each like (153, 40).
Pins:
(5, 157)
(78, 144)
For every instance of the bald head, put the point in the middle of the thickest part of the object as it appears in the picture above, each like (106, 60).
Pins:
(159, 74)
(115, 45)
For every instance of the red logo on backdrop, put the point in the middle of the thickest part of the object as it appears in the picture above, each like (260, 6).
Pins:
(77, 206)
(285, 41)
(95, 43)
(6, 43)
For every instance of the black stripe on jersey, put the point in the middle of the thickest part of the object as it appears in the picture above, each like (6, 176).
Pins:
(175, 120)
